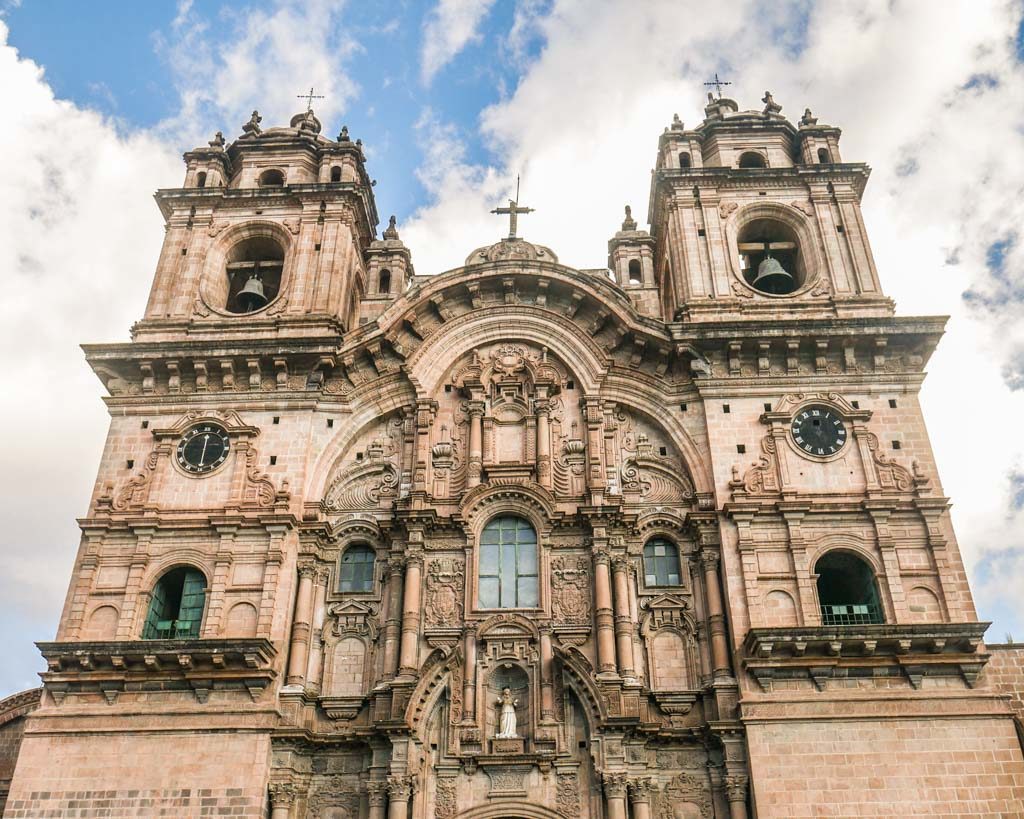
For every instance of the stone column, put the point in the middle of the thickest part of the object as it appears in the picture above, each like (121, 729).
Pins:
(400, 789)
(716, 616)
(547, 698)
(408, 660)
(543, 443)
(393, 621)
(736, 790)
(469, 676)
(640, 797)
(301, 628)
(623, 619)
(282, 797)
(603, 614)
(314, 667)
(615, 795)
(476, 435)
(377, 794)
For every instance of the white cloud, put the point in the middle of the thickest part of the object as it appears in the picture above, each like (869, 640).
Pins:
(449, 28)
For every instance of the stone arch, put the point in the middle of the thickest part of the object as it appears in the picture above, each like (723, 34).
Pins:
(460, 336)
(924, 605)
(213, 288)
(241, 620)
(102, 623)
(580, 676)
(803, 226)
(440, 672)
(780, 609)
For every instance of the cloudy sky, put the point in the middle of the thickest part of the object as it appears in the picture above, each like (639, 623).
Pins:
(452, 100)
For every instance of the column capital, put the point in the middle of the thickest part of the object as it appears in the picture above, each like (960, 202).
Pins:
(614, 784)
(401, 787)
(736, 787)
(307, 571)
(640, 788)
(282, 794)
(621, 564)
(601, 556)
(377, 791)
(709, 559)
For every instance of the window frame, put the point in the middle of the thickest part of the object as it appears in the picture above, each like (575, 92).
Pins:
(194, 586)
(370, 581)
(521, 599)
(654, 542)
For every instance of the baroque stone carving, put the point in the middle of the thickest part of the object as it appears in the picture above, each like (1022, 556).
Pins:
(570, 590)
(567, 794)
(363, 485)
(891, 475)
(136, 491)
(685, 788)
(445, 584)
(762, 478)
(445, 800)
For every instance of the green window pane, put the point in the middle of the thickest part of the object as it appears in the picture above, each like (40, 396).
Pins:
(527, 591)
(508, 564)
(489, 559)
(356, 574)
(489, 598)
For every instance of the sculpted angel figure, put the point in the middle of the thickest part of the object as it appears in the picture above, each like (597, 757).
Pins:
(507, 720)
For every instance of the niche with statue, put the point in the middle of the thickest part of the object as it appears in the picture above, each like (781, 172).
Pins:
(508, 711)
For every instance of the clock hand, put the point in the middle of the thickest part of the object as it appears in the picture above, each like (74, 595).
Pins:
(202, 456)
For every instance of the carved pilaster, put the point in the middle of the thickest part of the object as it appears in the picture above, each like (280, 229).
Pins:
(603, 621)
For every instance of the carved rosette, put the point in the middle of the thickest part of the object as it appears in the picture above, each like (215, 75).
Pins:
(445, 585)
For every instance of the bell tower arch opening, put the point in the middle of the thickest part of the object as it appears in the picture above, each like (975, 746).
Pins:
(770, 257)
(253, 270)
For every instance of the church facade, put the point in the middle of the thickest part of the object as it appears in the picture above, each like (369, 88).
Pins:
(658, 541)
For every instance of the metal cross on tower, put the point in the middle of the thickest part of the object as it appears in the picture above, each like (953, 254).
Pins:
(513, 210)
(309, 99)
(717, 83)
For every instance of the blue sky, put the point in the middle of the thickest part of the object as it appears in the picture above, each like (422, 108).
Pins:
(453, 99)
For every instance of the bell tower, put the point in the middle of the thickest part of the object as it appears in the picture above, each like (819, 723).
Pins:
(754, 216)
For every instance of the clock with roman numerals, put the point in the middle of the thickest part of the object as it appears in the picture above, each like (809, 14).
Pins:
(818, 431)
(203, 448)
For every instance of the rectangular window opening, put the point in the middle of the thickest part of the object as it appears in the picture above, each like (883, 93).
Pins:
(447, 387)
(330, 423)
(682, 407)
(277, 419)
(145, 424)
(892, 403)
(570, 384)
(662, 451)
(316, 247)
(701, 232)
(741, 448)
(130, 462)
(767, 407)
(273, 460)
(726, 409)
(359, 456)
(896, 445)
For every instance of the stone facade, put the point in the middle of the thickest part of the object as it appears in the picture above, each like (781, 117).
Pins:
(678, 518)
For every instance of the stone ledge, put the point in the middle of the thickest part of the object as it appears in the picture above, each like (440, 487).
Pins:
(147, 666)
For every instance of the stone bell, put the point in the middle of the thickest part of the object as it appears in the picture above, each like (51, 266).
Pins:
(251, 297)
(772, 277)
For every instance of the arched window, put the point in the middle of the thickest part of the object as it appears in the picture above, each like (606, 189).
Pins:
(201, 179)
(384, 284)
(176, 608)
(508, 565)
(846, 591)
(336, 173)
(661, 563)
(357, 569)
(635, 276)
(823, 156)
(752, 159)
(770, 257)
(684, 159)
(254, 269)
(272, 178)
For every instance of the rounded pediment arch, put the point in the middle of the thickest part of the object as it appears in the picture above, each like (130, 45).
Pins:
(455, 339)
(507, 626)
(528, 500)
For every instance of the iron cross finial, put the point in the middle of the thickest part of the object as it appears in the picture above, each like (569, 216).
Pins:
(309, 99)
(513, 210)
(717, 83)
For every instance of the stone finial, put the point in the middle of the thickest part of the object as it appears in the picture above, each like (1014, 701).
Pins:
(808, 118)
(770, 105)
(711, 98)
(629, 223)
(252, 127)
(218, 140)
(677, 124)
(392, 231)
(343, 136)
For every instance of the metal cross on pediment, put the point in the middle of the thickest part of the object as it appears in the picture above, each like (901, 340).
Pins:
(717, 83)
(513, 210)
(309, 99)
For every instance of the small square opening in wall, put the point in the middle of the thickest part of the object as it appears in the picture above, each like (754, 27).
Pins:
(145, 424)
(662, 451)
(682, 407)
(184, 251)
(316, 247)
(840, 229)
(277, 419)
(447, 387)
(892, 403)
(701, 232)
(570, 384)
(330, 423)
(726, 409)
(896, 445)
(359, 456)
(130, 463)
(855, 404)
(762, 193)
(767, 407)
(741, 448)
(273, 460)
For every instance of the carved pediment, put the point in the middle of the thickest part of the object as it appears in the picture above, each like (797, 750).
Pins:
(369, 484)
(354, 617)
(666, 611)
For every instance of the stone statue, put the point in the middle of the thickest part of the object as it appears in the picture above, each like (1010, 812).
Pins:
(507, 720)
(252, 127)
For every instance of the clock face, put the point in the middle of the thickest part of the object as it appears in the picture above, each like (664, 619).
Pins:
(203, 448)
(818, 431)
